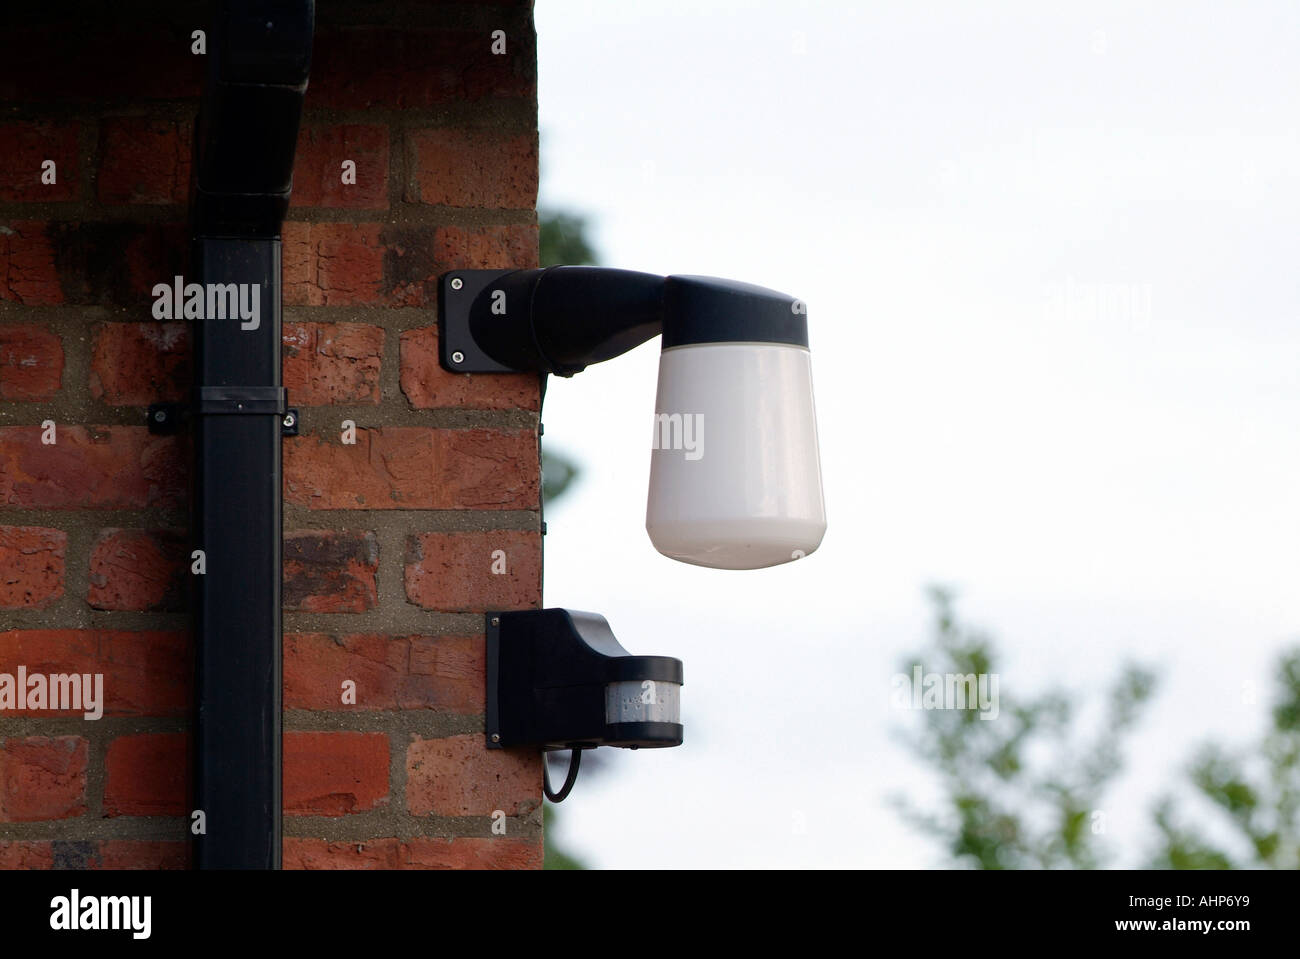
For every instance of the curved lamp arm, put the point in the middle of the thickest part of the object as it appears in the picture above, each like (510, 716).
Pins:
(564, 318)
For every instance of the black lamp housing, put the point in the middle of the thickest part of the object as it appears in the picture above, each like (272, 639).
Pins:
(558, 679)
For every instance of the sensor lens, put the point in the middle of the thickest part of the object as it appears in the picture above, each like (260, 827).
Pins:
(643, 701)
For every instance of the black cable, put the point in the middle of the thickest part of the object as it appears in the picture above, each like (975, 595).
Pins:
(575, 760)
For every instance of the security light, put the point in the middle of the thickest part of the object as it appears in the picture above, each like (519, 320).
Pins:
(735, 476)
(559, 679)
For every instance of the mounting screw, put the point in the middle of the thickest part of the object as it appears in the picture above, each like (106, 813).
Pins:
(289, 420)
(496, 737)
(496, 620)
(457, 283)
(160, 416)
(458, 357)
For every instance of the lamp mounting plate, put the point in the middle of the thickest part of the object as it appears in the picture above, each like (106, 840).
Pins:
(457, 290)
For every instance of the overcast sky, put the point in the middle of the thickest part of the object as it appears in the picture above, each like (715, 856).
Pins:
(1049, 253)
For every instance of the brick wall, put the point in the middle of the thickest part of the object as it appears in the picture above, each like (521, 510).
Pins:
(388, 542)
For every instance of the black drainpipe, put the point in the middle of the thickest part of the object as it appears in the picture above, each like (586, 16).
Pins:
(259, 54)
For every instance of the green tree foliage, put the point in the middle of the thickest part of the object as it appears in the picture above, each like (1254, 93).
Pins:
(1019, 791)
(1255, 796)
(555, 857)
(558, 472)
(563, 239)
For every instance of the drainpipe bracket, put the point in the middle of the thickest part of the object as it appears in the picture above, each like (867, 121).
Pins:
(166, 419)
(235, 400)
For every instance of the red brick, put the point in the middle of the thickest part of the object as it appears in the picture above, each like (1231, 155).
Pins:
(472, 168)
(151, 253)
(460, 776)
(109, 467)
(447, 672)
(323, 854)
(418, 853)
(404, 68)
(417, 256)
(27, 271)
(428, 386)
(443, 673)
(143, 854)
(31, 362)
(145, 673)
(112, 262)
(330, 572)
(100, 55)
(498, 852)
(318, 167)
(144, 160)
(412, 264)
(414, 468)
(334, 774)
(31, 566)
(328, 363)
(487, 248)
(86, 854)
(348, 264)
(453, 571)
(24, 147)
(26, 854)
(138, 569)
(43, 778)
(332, 264)
(135, 364)
(147, 774)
